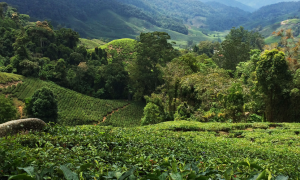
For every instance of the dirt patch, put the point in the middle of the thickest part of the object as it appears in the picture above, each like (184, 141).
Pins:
(109, 114)
(249, 129)
(284, 22)
(272, 127)
(10, 84)
(223, 133)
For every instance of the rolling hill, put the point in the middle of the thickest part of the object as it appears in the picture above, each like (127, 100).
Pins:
(233, 3)
(127, 18)
(74, 108)
(259, 3)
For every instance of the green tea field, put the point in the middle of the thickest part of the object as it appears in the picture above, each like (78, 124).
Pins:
(170, 150)
(74, 108)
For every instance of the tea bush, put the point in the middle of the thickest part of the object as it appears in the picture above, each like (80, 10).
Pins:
(218, 150)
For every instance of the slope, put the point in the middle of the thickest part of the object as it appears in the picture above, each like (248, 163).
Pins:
(74, 108)
(233, 3)
(259, 3)
(273, 14)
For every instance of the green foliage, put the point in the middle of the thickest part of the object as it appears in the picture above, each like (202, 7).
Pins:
(237, 46)
(9, 77)
(234, 102)
(77, 109)
(166, 147)
(127, 116)
(274, 78)
(7, 109)
(152, 49)
(152, 114)
(43, 105)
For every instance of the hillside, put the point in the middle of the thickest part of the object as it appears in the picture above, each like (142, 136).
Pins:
(74, 108)
(259, 3)
(127, 18)
(273, 14)
(233, 3)
(283, 25)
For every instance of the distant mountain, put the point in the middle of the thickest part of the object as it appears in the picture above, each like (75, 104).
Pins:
(275, 13)
(227, 16)
(233, 3)
(194, 12)
(260, 3)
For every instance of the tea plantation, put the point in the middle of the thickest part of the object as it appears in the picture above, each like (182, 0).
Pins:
(170, 150)
(75, 108)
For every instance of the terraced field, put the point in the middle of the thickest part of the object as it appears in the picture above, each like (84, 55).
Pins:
(75, 108)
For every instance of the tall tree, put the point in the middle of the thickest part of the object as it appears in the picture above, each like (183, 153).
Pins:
(274, 78)
(152, 49)
(236, 47)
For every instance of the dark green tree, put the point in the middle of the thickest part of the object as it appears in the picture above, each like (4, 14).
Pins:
(7, 109)
(274, 79)
(152, 49)
(43, 105)
(236, 47)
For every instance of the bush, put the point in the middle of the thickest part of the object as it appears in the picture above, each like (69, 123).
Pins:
(43, 105)
(7, 109)
(152, 114)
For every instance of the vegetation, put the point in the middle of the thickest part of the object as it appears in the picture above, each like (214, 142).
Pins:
(73, 108)
(7, 109)
(94, 152)
(43, 105)
(241, 88)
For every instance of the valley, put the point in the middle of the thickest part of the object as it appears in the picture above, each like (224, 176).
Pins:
(149, 89)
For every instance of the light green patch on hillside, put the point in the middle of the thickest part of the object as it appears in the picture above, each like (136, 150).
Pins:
(90, 43)
(75, 108)
(9, 78)
(272, 39)
(123, 48)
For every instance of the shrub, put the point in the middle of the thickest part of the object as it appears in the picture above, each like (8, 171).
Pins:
(43, 105)
(7, 109)
(152, 114)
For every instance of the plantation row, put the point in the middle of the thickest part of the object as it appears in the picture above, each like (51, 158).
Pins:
(75, 108)
(106, 152)
(121, 118)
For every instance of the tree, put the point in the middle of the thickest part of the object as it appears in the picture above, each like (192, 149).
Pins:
(43, 105)
(207, 47)
(236, 47)
(7, 109)
(152, 49)
(274, 78)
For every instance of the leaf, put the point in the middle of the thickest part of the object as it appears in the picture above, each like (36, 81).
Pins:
(202, 178)
(174, 167)
(163, 176)
(29, 170)
(69, 175)
(21, 177)
(47, 170)
(281, 177)
(128, 173)
(262, 175)
(176, 176)
(84, 167)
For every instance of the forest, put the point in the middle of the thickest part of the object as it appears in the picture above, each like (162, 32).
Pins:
(142, 109)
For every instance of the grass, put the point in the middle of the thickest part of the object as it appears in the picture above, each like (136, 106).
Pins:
(91, 43)
(75, 108)
(124, 48)
(212, 145)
